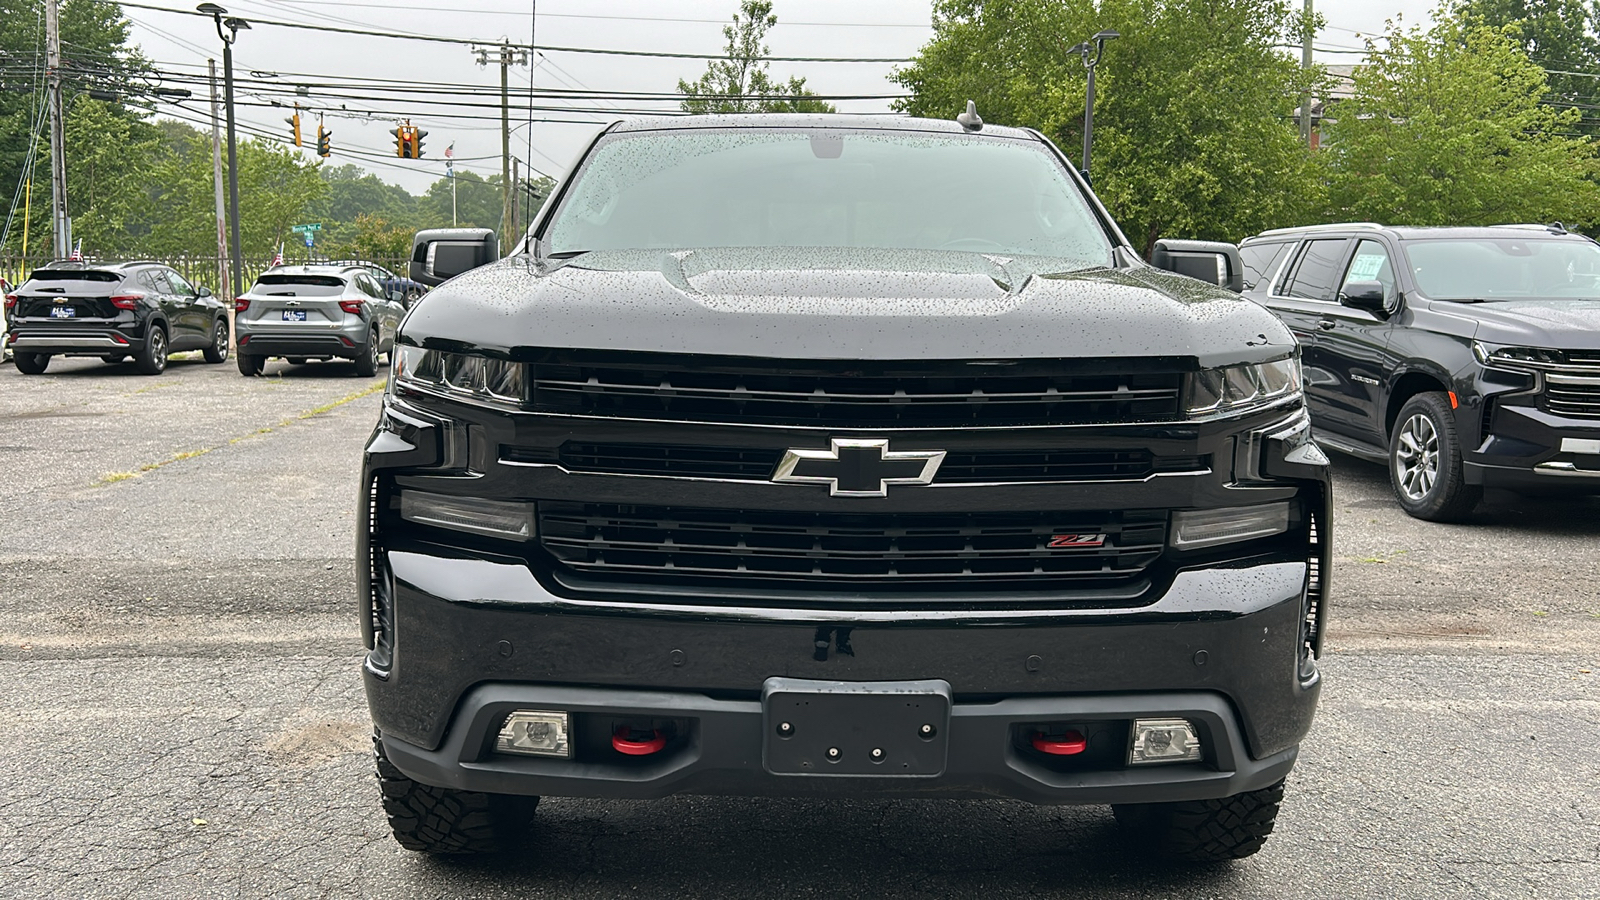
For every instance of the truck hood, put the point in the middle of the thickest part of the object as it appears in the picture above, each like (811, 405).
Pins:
(1557, 324)
(842, 304)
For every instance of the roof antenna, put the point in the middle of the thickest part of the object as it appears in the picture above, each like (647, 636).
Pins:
(969, 119)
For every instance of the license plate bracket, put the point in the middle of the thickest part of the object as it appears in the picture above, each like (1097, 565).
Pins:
(294, 315)
(855, 718)
(63, 312)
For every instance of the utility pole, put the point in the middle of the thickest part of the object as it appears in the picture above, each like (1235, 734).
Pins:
(516, 208)
(233, 26)
(508, 210)
(1305, 63)
(1098, 45)
(60, 225)
(216, 179)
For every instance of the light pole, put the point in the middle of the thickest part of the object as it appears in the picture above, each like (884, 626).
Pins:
(233, 26)
(1098, 45)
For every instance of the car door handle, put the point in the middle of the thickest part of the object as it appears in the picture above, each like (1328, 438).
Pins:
(1327, 325)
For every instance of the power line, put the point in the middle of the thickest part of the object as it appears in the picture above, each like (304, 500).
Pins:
(549, 48)
(614, 18)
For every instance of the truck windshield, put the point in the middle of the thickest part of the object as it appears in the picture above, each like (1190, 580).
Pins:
(1505, 268)
(777, 188)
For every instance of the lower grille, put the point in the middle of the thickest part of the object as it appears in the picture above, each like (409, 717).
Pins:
(1576, 396)
(860, 550)
(960, 467)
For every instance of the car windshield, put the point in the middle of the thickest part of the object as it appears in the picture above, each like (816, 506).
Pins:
(1505, 268)
(775, 188)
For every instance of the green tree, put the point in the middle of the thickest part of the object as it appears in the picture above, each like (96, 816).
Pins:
(1563, 35)
(1448, 127)
(95, 54)
(740, 83)
(1194, 135)
(479, 203)
(353, 192)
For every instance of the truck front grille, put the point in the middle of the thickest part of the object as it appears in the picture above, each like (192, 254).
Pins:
(1572, 395)
(758, 464)
(940, 393)
(958, 551)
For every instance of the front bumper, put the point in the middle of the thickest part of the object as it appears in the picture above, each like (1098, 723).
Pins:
(721, 752)
(1529, 448)
(476, 638)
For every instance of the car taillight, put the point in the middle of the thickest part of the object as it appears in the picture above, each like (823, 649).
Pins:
(129, 300)
(353, 307)
(11, 301)
(240, 304)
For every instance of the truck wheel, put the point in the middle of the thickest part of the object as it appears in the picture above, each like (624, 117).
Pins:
(31, 363)
(367, 362)
(1205, 830)
(250, 365)
(1425, 461)
(152, 357)
(218, 351)
(431, 819)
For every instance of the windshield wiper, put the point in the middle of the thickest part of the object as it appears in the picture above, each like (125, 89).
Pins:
(566, 254)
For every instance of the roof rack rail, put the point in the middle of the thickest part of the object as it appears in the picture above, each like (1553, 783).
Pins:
(1330, 226)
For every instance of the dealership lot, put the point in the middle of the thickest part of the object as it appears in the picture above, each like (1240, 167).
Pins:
(180, 711)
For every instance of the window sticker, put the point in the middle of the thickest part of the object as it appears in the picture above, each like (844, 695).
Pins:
(1366, 267)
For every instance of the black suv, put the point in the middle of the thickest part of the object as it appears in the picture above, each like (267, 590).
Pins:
(839, 456)
(1464, 358)
(113, 311)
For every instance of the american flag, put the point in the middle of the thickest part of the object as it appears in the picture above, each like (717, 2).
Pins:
(277, 260)
(449, 161)
(77, 252)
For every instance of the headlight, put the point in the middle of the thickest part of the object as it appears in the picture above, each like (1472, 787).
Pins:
(1236, 389)
(1517, 357)
(479, 378)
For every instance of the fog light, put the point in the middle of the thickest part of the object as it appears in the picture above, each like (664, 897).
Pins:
(535, 732)
(495, 518)
(1163, 740)
(1195, 528)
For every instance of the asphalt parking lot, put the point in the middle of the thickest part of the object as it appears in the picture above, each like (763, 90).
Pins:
(181, 715)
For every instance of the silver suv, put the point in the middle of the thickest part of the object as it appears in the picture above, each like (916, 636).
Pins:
(316, 312)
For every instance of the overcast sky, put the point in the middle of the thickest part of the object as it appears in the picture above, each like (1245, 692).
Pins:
(832, 28)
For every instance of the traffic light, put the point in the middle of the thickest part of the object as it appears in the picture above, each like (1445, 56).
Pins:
(408, 140)
(324, 141)
(294, 125)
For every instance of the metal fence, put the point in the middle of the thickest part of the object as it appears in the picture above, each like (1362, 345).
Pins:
(198, 270)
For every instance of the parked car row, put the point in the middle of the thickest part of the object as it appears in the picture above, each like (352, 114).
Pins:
(147, 311)
(1462, 358)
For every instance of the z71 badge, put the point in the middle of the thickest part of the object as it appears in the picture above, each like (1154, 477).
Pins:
(1065, 541)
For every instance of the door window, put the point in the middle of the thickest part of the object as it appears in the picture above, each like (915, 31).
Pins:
(1260, 262)
(179, 286)
(1318, 270)
(153, 282)
(1371, 263)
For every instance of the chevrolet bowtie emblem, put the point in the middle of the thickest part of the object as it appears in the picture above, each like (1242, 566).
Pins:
(858, 468)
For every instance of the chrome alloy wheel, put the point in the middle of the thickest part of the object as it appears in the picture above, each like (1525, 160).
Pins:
(1416, 457)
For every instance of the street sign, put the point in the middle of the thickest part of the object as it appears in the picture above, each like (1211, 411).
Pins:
(306, 229)
(308, 239)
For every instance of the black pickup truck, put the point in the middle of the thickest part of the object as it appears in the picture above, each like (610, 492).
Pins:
(839, 457)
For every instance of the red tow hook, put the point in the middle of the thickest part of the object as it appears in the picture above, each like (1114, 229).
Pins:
(632, 741)
(1069, 744)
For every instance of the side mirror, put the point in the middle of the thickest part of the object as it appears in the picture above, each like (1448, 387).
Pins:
(1367, 295)
(398, 297)
(1213, 262)
(205, 291)
(440, 254)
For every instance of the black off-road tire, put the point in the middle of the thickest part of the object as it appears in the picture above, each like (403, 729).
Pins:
(438, 820)
(1205, 831)
(1448, 497)
(31, 363)
(217, 351)
(152, 357)
(250, 365)
(367, 362)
